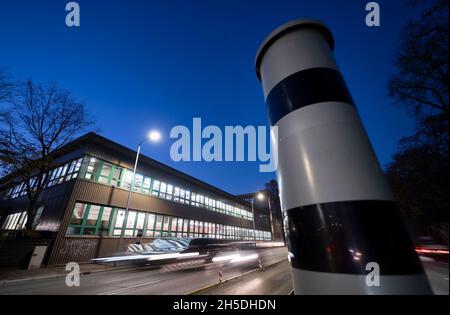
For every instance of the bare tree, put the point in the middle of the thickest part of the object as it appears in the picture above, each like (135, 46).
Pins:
(6, 85)
(422, 76)
(35, 122)
(419, 171)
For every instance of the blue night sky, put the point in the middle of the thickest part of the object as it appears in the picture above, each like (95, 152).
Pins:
(157, 64)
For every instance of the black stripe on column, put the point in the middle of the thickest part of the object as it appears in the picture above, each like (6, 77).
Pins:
(304, 88)
(342, 237)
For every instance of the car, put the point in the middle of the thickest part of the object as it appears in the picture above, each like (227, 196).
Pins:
(427, 246)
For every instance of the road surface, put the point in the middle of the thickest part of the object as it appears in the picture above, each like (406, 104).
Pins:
(274, 280)
(191, 277)
(437, 273)
(180, 278)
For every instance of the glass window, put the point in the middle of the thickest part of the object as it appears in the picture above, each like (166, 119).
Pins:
(176, 194)
(120, 218)
(162, 190)
(105, 217)
(173, 226)
(140, 220)
(155, 188)
(92, 215)
(169, 192)
(71, 168)
(62, 174)
(131, 219)
(191, 228)
(151, 221)
(77, 166)
(37, 216)
(146, 185)
(138, 182)
(200, 227)
(89, 219)
(128, 177)
(15, 221)
(78, 213)
(115, 176)
(91, 168)
(105, 173)
(166, 223)
(159, 220)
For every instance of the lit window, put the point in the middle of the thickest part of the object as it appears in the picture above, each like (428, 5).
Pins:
(155, 188)
(138, 182)
(93, 215)
(158, 225)
(131, 219)
(105, 217)
(78, 213)
(120, 218)
(140, 220)
(173, 226)
(15, 221)
(166, 223)
(92, 168)
(89, 220)
(169, 192)
(115, 176)
(146, 185)
(128, 178)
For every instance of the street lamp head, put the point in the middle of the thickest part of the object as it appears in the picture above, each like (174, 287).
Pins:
(154, 136)
(260, 196)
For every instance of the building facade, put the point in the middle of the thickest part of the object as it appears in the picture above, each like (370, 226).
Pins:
(268, 210)
(82, 208)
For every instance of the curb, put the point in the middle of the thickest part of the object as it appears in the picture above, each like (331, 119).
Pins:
(195, 292)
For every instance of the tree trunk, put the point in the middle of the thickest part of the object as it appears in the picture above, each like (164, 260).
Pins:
(31, 212)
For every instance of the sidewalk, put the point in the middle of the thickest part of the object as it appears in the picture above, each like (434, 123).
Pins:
(274, 279)
(15, 275)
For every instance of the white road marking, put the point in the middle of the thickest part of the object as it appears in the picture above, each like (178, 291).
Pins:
(122, 290)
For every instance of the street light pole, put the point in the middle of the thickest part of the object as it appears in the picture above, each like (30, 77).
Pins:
(253, 212)
(270, 216)
(122, 232)
(154, 136)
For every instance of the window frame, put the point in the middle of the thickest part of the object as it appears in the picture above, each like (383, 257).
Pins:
(97, 227)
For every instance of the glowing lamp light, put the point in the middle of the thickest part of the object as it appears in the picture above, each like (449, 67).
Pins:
(260, 196)
(154, 136)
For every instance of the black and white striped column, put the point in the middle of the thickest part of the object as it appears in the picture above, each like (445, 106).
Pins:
(340, 211)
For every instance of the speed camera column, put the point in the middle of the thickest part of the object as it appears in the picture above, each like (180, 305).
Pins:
(344, 232)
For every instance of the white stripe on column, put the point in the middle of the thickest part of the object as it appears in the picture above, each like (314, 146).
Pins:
(295, 51)
(324, 156)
